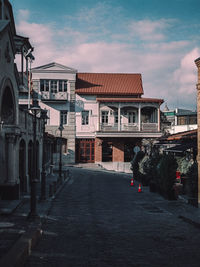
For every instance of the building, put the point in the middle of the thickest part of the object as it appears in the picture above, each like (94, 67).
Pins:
(55, 86)
(197, 62)
(112, 118)
(16, 124)
(180, 120)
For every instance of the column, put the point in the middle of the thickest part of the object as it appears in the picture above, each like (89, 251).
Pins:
(11, 159)
(98, 116)
(159, 119)
(119, 118)
(139, 117)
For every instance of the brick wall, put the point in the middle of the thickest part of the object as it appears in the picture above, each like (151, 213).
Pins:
(118, 151)
(98, 150)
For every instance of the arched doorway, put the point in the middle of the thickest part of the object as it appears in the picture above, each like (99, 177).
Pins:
(8, 113)
(22, 166)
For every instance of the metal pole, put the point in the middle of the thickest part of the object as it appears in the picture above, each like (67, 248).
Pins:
(60, 161)
(33, 213)
(43, 174)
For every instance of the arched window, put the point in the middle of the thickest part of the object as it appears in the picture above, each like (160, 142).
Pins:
(7, 107)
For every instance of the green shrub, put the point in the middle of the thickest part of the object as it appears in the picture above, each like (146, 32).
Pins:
(167, 175)
(183, 164)
(135, 164)
(150, 166)
(192, 176)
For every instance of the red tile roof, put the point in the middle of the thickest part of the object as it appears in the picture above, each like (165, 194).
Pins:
(130, 99)
(183, 135)
(109, 84)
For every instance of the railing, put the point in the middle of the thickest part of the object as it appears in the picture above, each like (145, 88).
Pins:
(149, 127)
(108, 127)
(54, 96)
(145, 127)
(26, 122)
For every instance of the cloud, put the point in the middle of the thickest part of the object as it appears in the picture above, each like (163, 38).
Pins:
(167, 68)
(23, 15)
(185, 77)
(150, 30)
(41, 38)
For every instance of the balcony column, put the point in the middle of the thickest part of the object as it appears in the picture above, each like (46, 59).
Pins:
(139, 117)
(158, 119)
(119, 118)
(98, 116)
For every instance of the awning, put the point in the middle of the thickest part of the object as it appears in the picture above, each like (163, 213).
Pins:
(180, 148)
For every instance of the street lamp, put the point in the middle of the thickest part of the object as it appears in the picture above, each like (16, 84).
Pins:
(44, 118)
(61, 128)
(35, 110)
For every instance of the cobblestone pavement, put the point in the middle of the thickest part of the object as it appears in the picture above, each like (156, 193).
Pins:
(17, 233)
(100, 220)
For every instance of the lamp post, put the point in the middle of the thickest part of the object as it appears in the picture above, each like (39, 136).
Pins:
(61, 128)
(44, 118)
(35, 109)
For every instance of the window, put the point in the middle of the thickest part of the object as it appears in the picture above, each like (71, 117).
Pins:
(44, 85)
(182, 120)
(116, 117)
(62, 86)
(85, 117)
(131, 117)
(63, 117)
(104, 117)
(55, 85)
(192, 120)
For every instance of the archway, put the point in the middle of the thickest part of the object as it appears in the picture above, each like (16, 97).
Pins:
(8, 113)
(22, 166)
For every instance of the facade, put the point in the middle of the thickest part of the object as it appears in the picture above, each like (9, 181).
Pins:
(197, 62)
(112, 118)
(16, 124)
(180, 120)
(55, 86)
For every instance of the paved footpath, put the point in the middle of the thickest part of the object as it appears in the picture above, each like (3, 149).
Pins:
(19, 236)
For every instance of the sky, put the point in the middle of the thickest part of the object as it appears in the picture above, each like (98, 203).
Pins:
(159, 39)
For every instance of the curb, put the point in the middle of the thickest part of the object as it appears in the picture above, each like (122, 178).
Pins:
(190, 221)
(18, 254)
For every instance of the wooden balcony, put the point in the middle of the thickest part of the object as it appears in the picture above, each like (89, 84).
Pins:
(54, 96)
(144, 127)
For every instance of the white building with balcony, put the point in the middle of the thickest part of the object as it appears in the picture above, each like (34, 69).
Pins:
(55, 86)
(112, 118)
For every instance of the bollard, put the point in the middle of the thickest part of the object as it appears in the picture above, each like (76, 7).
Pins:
(50, 190)
(54, 186)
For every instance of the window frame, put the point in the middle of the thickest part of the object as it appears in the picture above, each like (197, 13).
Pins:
(104, 116)
(64, 117)
(85, 117)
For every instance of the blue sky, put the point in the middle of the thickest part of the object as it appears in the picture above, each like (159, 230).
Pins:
(157, 38)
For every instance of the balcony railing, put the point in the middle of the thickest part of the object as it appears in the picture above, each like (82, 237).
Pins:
(54, 96)
(145, 127)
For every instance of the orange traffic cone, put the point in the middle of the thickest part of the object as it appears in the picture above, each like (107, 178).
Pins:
(131, 182)
(139, 188)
